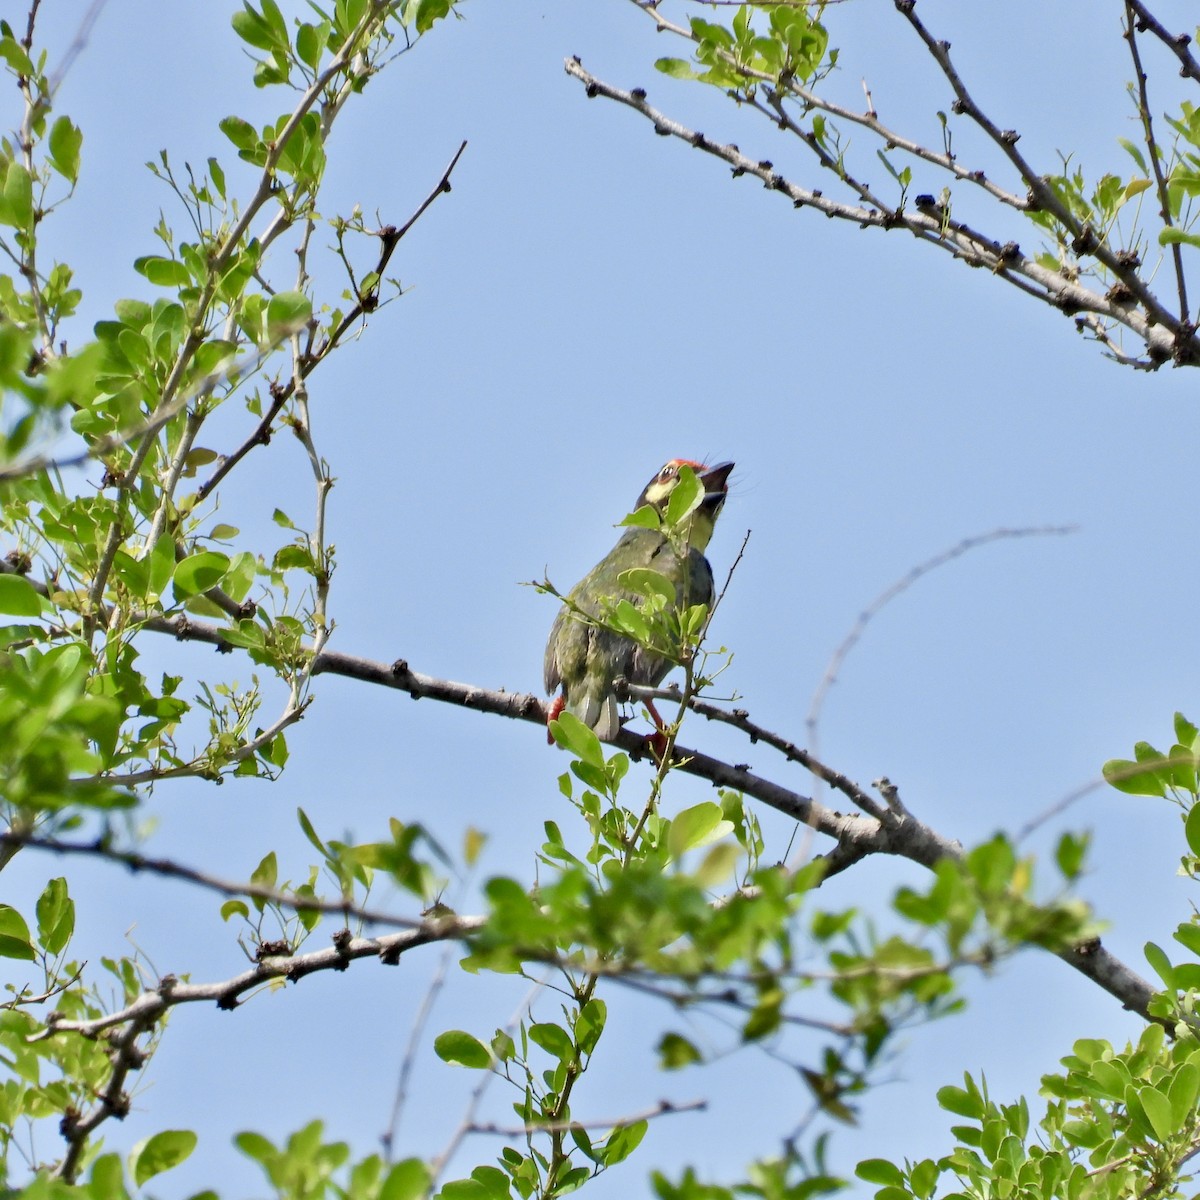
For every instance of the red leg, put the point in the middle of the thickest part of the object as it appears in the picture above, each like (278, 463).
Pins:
(556, 707)
(658, 739)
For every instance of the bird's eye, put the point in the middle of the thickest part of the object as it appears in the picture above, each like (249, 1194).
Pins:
(666, 472)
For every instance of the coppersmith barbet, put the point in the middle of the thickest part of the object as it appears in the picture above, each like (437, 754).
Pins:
(585, 658)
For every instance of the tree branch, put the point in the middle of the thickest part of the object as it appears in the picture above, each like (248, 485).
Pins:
(151, 1005)
(170, 869)
(897, 833)
(1177, 43)
(662, 1109)
(934, 226)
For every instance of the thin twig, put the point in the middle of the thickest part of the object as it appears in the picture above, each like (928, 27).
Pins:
(438, 1164)
(739, 718)
(890, 593)
(389, 238)
(170, 869)
(662, 1109)
(1160, 181)
(416, 1036)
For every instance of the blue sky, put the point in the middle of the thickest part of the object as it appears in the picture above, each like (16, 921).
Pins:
(589, 301)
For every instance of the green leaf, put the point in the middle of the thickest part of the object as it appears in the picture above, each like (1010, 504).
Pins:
(1157, 958)
(718, 864)
(241, 133)
(276, 22)
(1112, 1078)
(1157, 1108)
(630, 621)
(1089, 1050)
(1134, 187)
(589, 1025)
(1134, 778)
(287, 312)
(464, 1189)
(1134, 152)
(14, 55)
(17, 208)
(622, 1143)
(923, 1178)
(199, 572)
(310, 832)
(960, 1102)
(577, 738)
(308, 45)
(160, 1153)
(677, 68)
(554, 1039)
(266, 874)
(235, 908)
(407, 1180)
(1170, 235)
(1070, 853)
(253, 29)
(1191, 829)
(675, 1051)
(697, 826)
(254, 1145)
(1185, 732)
(1188, 935)
(879, 1170)
(1183, 1093)
(163, 272)
(65, 141)
(14, 935)
(18, 597)
(646, 517)
(645, 582)
(423, 13)
(461, 1048)
(55, 916)
(685, 497)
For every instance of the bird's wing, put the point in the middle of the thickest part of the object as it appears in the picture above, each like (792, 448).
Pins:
(551, 671)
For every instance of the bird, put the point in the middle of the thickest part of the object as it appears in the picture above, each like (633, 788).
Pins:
(585, 658)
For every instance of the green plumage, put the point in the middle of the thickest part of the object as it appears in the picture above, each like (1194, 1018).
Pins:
(586, 659)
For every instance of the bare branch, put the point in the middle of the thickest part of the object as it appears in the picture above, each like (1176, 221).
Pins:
(1164, 335)
(227, 993)
(170, 869)
(1143, 104)
(1177, 43)
(739, 718)
(898, 588)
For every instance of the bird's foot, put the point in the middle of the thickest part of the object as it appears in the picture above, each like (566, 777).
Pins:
(656, 742)
(552, 714)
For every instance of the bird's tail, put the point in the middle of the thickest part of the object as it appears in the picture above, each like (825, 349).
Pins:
(601, 712)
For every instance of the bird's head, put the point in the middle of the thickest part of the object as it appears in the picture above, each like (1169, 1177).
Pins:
(716, 486)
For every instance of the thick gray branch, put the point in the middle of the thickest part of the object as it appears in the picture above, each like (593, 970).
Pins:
(897, 832)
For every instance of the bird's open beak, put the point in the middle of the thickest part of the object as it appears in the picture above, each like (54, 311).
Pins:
(715, 479)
